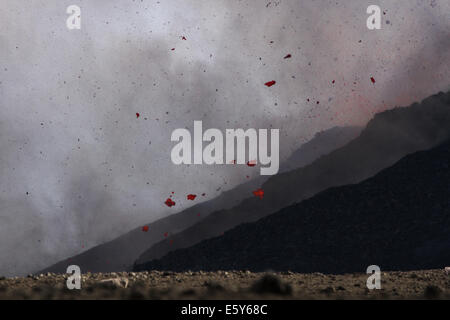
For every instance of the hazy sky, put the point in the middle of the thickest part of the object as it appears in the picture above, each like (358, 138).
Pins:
(69, 134)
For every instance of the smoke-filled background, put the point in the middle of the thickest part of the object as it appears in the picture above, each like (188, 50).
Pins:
(78, 167)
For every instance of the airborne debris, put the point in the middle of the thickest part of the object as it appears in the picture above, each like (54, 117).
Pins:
(259, 193)
(169, 202)
(251, 163)
(191, 196)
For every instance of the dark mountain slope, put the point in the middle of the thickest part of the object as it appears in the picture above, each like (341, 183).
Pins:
(120, 253)
(387, 138)
(399, 220)
(323, 143)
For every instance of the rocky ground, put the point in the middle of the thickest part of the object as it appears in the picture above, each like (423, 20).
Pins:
(430, 284)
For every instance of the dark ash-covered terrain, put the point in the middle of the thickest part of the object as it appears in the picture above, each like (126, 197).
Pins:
(399, 220)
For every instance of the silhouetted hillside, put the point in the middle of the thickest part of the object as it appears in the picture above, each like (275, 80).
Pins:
(120, 254)
(398, 220)
(387, 138)
(323, 143)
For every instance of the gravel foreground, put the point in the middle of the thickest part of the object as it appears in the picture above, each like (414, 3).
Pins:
(429, 284)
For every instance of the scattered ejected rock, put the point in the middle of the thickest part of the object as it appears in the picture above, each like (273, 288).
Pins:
(114, 283)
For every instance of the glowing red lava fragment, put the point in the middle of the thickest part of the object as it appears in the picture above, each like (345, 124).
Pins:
(191, 196)
(251, 163)
(287, 56)
(259, 193)
(372, 79)
(270, 83)
(169, 202)
(145, 228)
(137, 115)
